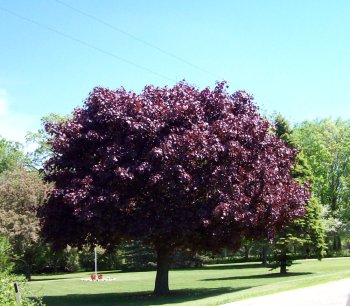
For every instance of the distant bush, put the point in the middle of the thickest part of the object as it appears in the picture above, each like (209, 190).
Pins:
(105, 260)
(137, 256)
(50, 261)
(213, 260)
(340, 253)
(187, 259)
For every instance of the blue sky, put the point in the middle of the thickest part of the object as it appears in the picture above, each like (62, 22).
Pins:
(293, 56)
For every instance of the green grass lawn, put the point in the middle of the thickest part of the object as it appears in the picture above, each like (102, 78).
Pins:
(210, 285)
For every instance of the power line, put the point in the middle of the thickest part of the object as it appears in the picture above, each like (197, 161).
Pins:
(86, 44)
(136, 38)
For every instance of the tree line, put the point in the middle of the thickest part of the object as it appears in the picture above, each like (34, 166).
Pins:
(118, 142)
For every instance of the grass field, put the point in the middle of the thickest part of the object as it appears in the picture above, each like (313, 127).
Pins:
(210, 285)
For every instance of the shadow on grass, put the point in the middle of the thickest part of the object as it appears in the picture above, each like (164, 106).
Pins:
(138, 298)
(233, 266)
(109, 272)
(73, 275)
(268, 275)
(52, 279)
(237, 266)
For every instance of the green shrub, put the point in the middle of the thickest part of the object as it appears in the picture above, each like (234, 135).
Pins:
(187, 259)
(106, 260)
(5, 262)
(7, 291)
(71, 259)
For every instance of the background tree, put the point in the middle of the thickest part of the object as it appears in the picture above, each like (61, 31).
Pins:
(7, 296)
(5, 257)
(11, 155)
(312, 230)
(40, 139)
(306, 232)
(21, 193)
(172, 167)
(326, 145)
(284, 131)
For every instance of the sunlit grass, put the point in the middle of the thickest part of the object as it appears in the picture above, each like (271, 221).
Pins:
(211, 285)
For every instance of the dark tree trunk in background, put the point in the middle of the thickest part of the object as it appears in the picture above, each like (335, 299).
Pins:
(264, 255)
(283, 265)
(246, 252)
(339, 243)
(27, 268)
(307, 252)
(162, 279)
(336, 242)
(28, 272)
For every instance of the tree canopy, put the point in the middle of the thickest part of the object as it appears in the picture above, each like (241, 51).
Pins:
(40, 139)
(21, 193)
(11, 155)
(326, 144)
(175, 167)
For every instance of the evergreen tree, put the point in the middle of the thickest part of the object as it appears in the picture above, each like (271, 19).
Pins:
(307, 232)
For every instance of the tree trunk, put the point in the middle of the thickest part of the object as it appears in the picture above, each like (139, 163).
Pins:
(27, 268)
(283, 266)
(307, 252)
(28, 272)
(162, 278)
(246, 252)
(264, 255)
(336, 242)
(328, 249)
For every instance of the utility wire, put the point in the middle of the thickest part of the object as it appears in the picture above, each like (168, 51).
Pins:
(178, 58)
(86, 44)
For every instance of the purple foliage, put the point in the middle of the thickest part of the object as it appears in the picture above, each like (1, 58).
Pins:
(171, 166)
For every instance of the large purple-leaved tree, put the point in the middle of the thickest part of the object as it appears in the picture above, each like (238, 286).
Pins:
(174, 167)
